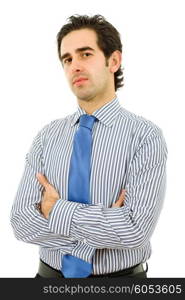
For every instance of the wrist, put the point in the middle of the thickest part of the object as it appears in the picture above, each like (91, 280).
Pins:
(44, 210)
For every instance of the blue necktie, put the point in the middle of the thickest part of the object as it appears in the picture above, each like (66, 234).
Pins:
(78, 189)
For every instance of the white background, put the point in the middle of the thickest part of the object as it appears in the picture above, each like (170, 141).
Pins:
(33, 92)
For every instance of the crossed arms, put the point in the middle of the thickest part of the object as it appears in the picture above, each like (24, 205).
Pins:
(128, 223)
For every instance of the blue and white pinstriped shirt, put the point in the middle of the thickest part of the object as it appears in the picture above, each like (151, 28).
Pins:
(128, 152)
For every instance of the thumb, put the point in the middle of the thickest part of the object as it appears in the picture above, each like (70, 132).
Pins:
(43, 180)
(122, 196)
(120, 201)
(122, 193)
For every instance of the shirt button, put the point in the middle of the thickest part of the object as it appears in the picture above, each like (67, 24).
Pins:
(85, 241)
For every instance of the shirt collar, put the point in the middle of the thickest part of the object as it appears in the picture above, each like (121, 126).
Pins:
(105, 114)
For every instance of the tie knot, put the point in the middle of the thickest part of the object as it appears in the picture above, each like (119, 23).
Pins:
(87, 121)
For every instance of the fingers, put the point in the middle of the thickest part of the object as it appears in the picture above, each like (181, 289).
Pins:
(120, 200)
(43, 180)
(122, 193)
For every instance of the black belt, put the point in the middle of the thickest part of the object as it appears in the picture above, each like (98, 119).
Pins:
(48, 272)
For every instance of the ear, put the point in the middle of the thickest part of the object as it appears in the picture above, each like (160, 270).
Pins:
(115, 61)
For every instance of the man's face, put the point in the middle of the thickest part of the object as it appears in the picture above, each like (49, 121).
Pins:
(85, 64)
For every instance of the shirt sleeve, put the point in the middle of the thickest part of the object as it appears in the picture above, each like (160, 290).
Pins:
(29, 225)
(131, 225)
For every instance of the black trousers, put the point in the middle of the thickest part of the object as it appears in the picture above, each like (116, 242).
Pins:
(140, 275)
(45, 271)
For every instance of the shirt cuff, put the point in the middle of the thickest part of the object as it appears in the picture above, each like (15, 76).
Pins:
(61, 216)
(83, 251)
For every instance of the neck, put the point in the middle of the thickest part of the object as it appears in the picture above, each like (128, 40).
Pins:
(95, 103)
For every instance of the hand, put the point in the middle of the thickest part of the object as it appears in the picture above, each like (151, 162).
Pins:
(120, 201)
(49, 197)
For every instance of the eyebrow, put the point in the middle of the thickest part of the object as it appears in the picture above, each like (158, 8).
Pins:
(76, 51)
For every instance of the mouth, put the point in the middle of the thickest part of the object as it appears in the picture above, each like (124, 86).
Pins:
(79, 81)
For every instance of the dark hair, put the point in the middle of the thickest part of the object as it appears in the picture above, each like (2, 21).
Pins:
(108, 37)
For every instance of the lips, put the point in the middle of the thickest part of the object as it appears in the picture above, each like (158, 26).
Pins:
(79, 80)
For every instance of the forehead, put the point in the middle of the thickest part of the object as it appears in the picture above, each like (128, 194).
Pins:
(78, 39)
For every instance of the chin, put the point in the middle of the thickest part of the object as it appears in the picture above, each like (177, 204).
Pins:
(84, 96)
(85, 99)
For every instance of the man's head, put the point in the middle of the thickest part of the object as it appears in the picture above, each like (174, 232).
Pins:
(90, 51)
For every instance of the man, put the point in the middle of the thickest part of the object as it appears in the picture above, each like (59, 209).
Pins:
(98, 224)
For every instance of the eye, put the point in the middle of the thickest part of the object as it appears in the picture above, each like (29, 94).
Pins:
(67, 60)
(86, 54)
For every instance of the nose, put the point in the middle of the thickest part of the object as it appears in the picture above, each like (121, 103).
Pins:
(76, 66)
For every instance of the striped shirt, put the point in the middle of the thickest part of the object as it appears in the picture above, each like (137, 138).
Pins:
(128, 152)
